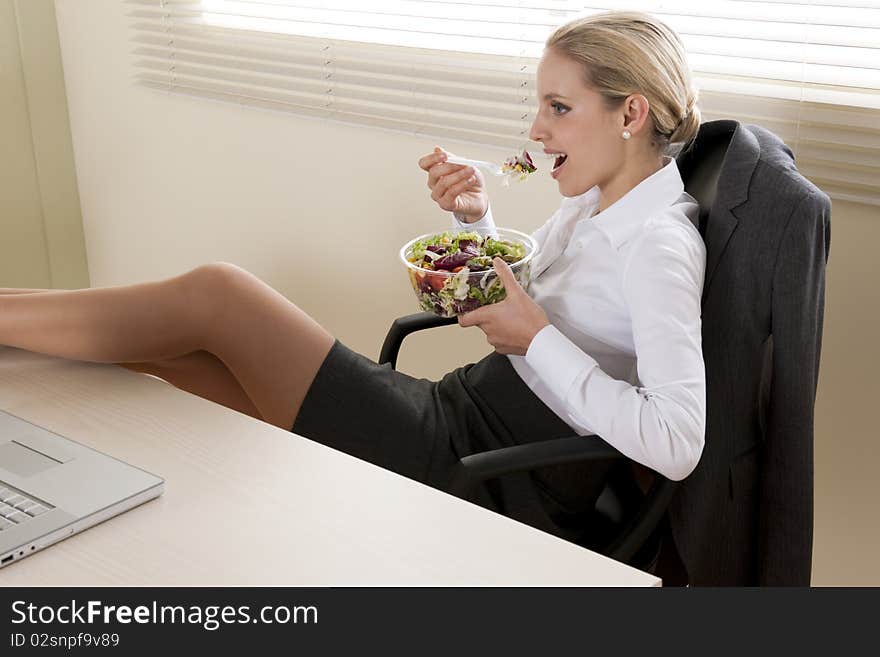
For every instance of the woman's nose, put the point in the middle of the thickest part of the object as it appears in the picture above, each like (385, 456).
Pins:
(534, 133)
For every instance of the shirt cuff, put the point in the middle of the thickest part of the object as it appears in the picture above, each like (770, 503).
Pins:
(486, 221)
(558, 361)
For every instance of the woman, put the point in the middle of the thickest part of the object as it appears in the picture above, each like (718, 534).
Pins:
(606, 342)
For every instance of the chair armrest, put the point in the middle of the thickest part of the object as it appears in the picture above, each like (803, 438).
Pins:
(640, 527)
(402, 327)
(476, 468)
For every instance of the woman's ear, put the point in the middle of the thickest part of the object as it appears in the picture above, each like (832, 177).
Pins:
(636, 110)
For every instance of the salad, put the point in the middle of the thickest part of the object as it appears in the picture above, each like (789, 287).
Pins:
(452, 272)
(521, 165)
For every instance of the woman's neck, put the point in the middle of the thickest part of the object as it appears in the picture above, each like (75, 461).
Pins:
(619, 186)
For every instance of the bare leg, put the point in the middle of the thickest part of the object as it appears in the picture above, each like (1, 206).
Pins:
(133, 323)
(200, 373)
(269, 345)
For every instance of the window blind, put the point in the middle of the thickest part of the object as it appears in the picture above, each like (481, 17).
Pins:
(465, 71)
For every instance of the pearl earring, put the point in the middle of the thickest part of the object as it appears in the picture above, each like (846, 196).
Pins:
(626, 134)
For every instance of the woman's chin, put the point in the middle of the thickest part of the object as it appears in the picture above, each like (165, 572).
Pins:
(568, 190)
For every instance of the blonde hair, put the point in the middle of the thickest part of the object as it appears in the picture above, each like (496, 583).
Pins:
(624, 53)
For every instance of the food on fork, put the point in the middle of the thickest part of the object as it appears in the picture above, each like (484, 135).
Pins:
(520, 165)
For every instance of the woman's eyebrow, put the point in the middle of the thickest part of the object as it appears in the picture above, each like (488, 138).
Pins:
(552, 96)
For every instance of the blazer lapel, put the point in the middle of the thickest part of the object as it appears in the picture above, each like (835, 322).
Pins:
(733, 190)
(720, 226)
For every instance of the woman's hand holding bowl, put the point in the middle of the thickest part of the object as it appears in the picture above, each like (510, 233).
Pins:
(511, 324)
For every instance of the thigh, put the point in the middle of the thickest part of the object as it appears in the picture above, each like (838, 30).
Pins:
(271, 346)
(379, 415)
(201, 373)
(489, 408)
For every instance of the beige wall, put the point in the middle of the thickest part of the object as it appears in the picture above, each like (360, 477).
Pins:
(847, 443)
(168, 182)
(42, 237)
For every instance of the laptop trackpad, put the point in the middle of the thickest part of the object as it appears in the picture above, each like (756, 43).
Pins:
(24, 461)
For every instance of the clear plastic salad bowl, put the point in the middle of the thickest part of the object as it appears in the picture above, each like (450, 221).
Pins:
(464, 278)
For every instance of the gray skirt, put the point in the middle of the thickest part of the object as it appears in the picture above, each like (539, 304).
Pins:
(421, 429)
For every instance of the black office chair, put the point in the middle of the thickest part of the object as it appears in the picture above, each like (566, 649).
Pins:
(630, 532)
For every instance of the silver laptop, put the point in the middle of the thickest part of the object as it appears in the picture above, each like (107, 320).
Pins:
(52, 488)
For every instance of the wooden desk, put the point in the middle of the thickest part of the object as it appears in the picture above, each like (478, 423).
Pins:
(246, 503)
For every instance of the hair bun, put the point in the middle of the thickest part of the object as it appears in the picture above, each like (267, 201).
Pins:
(689, 124)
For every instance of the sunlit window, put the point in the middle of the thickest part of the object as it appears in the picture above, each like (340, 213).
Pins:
(464, 71)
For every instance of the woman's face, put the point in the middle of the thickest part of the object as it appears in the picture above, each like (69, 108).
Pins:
(572, 120)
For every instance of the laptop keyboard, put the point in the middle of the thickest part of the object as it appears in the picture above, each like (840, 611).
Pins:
(16, 507)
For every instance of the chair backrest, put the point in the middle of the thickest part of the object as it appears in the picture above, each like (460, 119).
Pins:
(762, 310)
(700, 165)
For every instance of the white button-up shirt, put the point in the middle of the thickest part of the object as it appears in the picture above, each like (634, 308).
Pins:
(622, 357)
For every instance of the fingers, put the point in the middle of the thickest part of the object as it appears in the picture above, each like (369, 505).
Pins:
(469, 319)
(434, 164)
(440, 172)
(448, 187)
(472, 318)
(438, 156)
(505, 273)
(478, 316)
(427, 161)
(481, 315)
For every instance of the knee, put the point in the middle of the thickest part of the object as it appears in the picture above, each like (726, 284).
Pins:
(209, 286)
(214, 277)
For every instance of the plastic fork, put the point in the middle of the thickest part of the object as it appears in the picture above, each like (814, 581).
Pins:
(492, 168)
(489, 167)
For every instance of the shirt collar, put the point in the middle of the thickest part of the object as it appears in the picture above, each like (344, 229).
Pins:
(627, 215)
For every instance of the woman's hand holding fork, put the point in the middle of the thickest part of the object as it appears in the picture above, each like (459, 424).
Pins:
(455, 187)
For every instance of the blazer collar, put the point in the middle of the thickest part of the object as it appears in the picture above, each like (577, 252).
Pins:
(733, 190)
(736, 172)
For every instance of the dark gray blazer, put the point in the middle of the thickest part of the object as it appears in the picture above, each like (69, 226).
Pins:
(745, 515)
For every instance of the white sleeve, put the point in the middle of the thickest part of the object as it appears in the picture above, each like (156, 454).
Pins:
(660, 423)
(486, 222)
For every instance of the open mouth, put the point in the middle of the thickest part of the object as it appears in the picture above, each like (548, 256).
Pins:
(558, 163)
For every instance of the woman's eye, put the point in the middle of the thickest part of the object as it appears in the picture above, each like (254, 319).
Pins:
(558, 108)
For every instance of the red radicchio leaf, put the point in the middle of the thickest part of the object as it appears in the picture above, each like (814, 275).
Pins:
(469, 246)
(452, 261)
